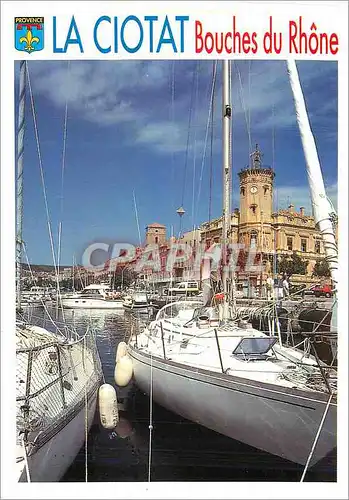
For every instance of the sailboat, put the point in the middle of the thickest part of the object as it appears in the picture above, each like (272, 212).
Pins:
(58, 374)
(208, 366)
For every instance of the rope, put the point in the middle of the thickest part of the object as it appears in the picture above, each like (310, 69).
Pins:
(194, 156)
(211, 153)
(137, 221)
(42, 302)
(206, 135)
(273, 137)
(60, 228)
(247, 117)
(150, 416)
(316, 438)
(249, 96)
(188, 136)
(26, 461)
(48, 219)
(86, 423)
(172, 89)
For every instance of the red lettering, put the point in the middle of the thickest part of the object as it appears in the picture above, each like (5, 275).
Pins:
(198, 37)
(209, 47)
(301, 42)
(334, 43)
(228, 49)
(292, 37)
(254, 42)
(245, 42)
(219, 42)
(236, 37)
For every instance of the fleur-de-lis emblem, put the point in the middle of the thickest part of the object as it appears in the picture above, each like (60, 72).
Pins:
(29, 40)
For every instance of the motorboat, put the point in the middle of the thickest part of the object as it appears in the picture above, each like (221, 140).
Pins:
(94, 296)
(137, 301)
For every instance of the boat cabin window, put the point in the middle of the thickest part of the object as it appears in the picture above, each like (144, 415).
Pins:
(254, 347)
(90, 292)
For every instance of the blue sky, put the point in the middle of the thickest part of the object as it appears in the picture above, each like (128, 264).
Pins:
(128, 131)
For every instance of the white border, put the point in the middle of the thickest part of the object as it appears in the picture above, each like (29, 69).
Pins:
(332, 15)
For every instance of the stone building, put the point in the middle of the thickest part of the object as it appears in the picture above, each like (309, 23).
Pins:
(256, 224)
(155, 234)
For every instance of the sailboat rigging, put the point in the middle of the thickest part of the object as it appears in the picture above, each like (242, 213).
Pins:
(220, 372)
(57, 374)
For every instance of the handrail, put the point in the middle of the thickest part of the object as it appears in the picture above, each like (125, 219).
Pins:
(162, 340)
(219, 350)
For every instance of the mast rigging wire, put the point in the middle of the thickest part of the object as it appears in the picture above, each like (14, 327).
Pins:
(189, 130)
(48, 219)
(60, 228)
(194, 156)
(206, 137)
(211, 155)
(247, 116)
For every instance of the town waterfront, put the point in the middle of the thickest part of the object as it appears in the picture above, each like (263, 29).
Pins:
(181, 450)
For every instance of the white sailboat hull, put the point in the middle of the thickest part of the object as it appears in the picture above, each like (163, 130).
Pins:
(50, 462)
(74, 303)
(283, 422)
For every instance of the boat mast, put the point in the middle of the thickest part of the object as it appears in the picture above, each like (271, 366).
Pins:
(322, 208)
(19, 180)
(226, 98)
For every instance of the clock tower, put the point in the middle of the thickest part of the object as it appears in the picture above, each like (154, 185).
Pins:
(256, 198)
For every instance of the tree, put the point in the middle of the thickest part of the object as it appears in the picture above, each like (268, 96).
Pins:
(321, 269)
(292, 265)
(122, 277)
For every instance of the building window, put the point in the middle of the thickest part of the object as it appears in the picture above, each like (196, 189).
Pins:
(317, 246)
(253, 208)
(253, 240)
(156, 239)
(303, 245)
(242, 191)
(266, 189)
(289, 243)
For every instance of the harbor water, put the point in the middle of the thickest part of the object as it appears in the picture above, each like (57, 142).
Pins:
(181, 450)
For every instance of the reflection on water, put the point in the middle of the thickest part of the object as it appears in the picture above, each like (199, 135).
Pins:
(181, 450)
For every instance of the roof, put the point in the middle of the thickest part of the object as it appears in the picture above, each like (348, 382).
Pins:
(155, 224)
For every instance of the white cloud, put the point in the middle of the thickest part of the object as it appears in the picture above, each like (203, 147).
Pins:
(141, 96)
(299, 196)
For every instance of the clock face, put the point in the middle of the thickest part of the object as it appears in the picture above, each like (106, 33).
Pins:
(253, 189)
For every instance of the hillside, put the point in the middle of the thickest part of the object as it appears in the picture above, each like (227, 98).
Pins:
(41, 268)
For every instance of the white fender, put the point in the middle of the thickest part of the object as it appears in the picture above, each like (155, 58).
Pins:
(121, 350)
(108, 406)
(123, 371)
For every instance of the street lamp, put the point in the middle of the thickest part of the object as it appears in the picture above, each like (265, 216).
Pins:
(180, 212)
